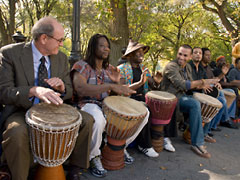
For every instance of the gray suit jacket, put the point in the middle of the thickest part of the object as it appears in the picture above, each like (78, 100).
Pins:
(17, 77)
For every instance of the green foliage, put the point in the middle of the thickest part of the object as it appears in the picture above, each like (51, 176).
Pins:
(162, 24)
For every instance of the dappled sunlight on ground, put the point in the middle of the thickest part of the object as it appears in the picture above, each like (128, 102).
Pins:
(215, 176)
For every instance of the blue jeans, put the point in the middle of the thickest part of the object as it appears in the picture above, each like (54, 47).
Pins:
(224, 113)
(191, 106)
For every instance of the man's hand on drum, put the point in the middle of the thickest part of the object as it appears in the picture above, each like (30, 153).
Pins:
(218, 85)
(207, 89)
(122, 89)
(56, 83)
(45, 94)
(114, 75)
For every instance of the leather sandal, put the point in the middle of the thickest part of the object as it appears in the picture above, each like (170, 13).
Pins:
(201, 151)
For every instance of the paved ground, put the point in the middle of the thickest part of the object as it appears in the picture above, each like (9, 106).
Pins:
(184, 164)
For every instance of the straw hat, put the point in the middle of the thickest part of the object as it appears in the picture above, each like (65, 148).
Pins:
(133, 46)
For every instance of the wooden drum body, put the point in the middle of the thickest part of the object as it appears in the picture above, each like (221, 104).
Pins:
(53, 133)
(230, 97)
(209, 106)
(123, 115)
(162, 105)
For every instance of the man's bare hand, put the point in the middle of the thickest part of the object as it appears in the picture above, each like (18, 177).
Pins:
(144, 77)
(45, 94)
(56, 83)
(122, 89)
(218, 85)
(114, 74)
(157, 77)
(225, 68)
(207, 89)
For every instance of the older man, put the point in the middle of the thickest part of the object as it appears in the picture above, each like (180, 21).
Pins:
(21, 66)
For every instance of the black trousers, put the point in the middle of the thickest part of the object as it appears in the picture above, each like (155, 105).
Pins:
(170, 130)
(144, 138)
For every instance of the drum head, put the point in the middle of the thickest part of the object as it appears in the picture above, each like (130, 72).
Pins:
(125, 106)
(161, 95)
(53, 115)
(228, 93)
(206, 99)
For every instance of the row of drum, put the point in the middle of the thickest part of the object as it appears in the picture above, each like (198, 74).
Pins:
(54, 129)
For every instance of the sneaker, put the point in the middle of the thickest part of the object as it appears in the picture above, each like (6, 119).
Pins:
(127, 158)
(96, 167)
(168, 145)
(150, 152)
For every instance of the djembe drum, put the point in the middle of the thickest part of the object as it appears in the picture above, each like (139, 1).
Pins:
(53, 133)
(123, 115)
(162, 105)
(230, 97)
(209, 108)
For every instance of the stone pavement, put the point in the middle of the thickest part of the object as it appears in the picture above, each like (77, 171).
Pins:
(184, 164)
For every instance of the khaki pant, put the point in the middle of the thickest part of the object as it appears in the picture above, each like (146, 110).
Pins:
(16, 145)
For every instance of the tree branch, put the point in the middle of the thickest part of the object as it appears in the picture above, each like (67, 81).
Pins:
(208, 8)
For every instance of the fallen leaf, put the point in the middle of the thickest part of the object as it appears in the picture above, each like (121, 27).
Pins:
(163, 168)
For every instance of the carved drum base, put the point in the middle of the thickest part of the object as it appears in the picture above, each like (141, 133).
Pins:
(113, 154)
(50, 173)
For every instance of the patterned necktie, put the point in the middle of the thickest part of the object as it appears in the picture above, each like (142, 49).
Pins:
(42, 73)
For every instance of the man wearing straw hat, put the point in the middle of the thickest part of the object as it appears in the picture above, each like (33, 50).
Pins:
(138, 78)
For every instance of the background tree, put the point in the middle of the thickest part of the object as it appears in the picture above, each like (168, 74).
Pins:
(163, 25)
(7, 21)
(228, 12)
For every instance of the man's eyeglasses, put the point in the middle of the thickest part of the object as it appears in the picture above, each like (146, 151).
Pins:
(59, 40)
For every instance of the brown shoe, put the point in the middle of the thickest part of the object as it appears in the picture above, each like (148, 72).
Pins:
(209, 139)
(201, 151)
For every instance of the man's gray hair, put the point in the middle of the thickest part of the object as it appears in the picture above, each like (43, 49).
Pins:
(43, 26)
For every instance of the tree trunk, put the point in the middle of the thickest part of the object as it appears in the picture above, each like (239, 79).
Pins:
(12, 11)
(119, 30)
(3, 31)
